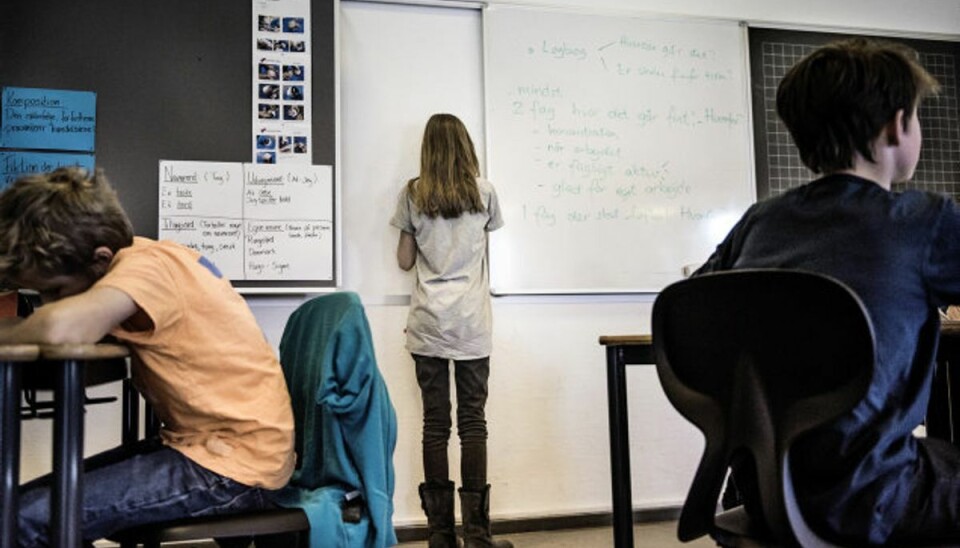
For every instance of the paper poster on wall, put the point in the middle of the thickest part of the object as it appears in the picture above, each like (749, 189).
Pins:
(14, 163)
(47, 119)
(254, 221)
(282, 107)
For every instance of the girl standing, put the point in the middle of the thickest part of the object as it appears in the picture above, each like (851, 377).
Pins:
(444, 216)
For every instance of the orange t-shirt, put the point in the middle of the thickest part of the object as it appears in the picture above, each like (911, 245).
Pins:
(204, 365)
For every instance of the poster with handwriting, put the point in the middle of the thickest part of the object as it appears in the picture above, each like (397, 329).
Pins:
(16, 163)
(47, 119)
(255, 222)
(619, 146)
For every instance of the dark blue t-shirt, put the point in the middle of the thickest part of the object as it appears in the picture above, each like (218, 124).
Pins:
(900, 252)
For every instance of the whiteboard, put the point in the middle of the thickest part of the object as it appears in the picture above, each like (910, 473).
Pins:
(619, 146)
(399, 64)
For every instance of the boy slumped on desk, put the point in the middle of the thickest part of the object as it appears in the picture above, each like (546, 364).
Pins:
(199, 357)
(851, 108)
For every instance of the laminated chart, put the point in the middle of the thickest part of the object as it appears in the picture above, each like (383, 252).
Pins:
(254, 222)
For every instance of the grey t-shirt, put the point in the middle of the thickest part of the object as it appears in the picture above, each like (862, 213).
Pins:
(450, 306)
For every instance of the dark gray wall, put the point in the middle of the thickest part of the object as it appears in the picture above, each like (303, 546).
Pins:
(172, 78)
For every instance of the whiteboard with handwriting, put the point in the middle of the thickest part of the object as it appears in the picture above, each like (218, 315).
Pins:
(620, 147)
(256, 222)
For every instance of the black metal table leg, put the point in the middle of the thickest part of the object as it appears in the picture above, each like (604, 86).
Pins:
(619, 449)
(131, 414)
(67, 500)
(9, 452)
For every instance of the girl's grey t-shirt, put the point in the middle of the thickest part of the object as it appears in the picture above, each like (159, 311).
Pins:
(450, 313)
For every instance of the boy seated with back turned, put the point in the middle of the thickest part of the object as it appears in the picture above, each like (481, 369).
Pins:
(851, 108)
(199, 358)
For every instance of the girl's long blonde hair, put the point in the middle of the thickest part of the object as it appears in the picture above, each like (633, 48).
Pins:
(447, 185)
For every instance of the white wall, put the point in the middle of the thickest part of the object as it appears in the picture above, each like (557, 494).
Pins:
(547, 410)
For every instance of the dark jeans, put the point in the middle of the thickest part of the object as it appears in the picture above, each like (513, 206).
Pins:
(132, 485)
(932, 514)
(433, 376)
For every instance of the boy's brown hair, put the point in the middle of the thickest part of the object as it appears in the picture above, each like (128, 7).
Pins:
(51, 223)
(836, 100)
(447, 185)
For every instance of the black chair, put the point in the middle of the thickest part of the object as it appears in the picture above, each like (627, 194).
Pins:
(756, 358)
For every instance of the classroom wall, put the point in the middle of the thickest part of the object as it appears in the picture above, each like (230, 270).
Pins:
(547, 411)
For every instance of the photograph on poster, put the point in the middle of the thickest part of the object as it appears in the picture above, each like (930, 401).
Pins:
(293, 93)
(269, 23)
(293, 72)
(270, 91)
(266, 141)
(269, 71)
(293, 24)
(269, 112)
(293, 112)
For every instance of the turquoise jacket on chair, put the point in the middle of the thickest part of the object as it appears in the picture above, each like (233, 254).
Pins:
(346, 426)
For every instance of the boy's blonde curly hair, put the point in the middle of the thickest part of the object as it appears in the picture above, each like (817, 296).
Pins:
(51, 223)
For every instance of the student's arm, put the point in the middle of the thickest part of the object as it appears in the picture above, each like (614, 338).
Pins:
(81, 318)
(406, 251)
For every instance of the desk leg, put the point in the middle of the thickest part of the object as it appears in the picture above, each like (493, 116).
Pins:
(131, 414)
(939, 420)
(9, 453)
(619, 449)
(66, 510)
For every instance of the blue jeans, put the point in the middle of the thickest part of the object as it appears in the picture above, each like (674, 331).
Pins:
(132, 485)
(433, 376)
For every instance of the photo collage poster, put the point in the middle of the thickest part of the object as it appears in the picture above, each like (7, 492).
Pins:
(281, 82)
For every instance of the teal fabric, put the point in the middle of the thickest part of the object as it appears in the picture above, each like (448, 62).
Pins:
(346, 426)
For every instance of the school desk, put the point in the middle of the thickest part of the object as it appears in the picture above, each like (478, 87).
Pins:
(943, 414)
(30, 366)
(622, 350)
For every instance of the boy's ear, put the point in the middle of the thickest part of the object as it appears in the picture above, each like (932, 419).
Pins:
(893, 129)
(102, 256)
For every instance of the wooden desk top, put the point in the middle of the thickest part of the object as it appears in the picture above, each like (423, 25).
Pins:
(19, 352)
(611, 340)
(97, 351)
(948, 328)
(106, 362)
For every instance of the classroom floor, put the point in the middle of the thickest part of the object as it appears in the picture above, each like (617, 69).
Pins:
(647, 535)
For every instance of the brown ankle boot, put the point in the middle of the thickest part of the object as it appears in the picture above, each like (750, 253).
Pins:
(436, 498)
(475, 506)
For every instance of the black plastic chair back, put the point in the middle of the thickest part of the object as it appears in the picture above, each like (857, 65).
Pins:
(755, 358)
